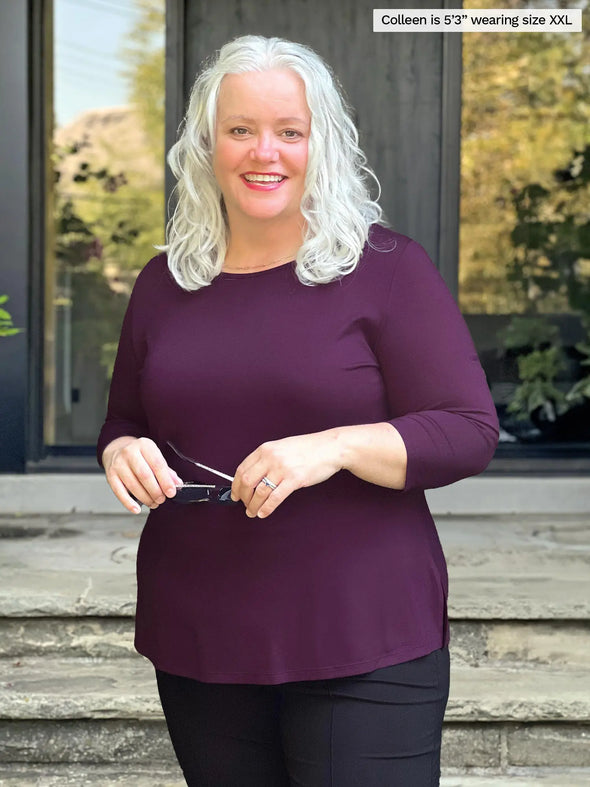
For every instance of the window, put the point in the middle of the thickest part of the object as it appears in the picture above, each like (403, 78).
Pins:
(524, 271)
(105, 201)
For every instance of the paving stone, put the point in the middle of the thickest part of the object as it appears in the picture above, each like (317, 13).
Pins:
(542, 744)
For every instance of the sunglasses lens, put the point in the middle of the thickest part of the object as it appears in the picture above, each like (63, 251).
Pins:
(191, 493)
(225, 496)
(197, 493)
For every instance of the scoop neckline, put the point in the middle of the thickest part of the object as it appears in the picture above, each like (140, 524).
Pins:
(252, 274)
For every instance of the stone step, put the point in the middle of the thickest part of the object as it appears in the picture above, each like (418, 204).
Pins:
(517, 778)
(473, 642)
(517, 568)
(68, 688)
(96, 637)
(97, 776)
(98, 741)
(500, 567)
(467, 746)
(488, 493)
(89, 775)
(564, 492)
(520, 644)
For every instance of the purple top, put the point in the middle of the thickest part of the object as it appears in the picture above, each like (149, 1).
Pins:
(345, 576)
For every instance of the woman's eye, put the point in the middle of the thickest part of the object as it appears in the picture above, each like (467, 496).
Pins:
(239, 132)
(291, 133)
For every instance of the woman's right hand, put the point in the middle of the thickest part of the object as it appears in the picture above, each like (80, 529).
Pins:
(135, 466)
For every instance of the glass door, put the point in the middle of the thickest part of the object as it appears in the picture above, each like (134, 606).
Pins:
(105, 196)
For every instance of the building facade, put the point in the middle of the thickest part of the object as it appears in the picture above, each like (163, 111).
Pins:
(68, 271)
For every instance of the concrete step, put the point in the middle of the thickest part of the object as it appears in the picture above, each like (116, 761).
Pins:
(68, 688)
(530, 567)
(489, 745)
(35, 493)
(68, 566)
(476, 643)
(102, 637)
(547, 492)
(518, 778)
(520, 644)
(517, 568)
(100, 776)
(73, 690)
(89, 775)
(97, 741)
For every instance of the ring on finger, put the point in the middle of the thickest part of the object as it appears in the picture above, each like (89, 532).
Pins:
(267, 482)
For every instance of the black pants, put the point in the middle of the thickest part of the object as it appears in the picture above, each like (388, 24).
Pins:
(378, 729)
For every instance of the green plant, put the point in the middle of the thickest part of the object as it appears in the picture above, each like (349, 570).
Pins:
(581, 390)
(533, 340)
(551, 239)
(533, 332)
(89, 282)
(552, 247)
(6, 326)
(537, 370)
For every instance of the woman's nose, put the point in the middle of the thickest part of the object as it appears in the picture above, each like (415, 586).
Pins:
(265, 149)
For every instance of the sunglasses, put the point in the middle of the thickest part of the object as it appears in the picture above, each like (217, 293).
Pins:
(202, 493)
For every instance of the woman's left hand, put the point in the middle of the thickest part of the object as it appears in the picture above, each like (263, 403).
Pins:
(289, 464)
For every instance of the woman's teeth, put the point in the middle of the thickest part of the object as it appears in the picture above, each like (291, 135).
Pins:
(264, 178)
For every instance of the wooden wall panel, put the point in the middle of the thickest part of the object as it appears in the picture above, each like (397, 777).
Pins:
(394, 81)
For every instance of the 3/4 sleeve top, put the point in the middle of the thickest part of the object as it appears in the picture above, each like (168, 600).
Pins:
(346, 576)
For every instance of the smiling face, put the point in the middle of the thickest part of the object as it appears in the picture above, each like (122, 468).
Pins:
(260, 155)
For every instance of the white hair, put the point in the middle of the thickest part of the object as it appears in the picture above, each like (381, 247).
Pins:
(336, 204)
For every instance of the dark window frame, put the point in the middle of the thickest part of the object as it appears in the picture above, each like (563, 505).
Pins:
(18, 21)
(39, 456)
(41, 59)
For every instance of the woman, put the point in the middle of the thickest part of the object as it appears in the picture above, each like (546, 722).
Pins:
(300, 636)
